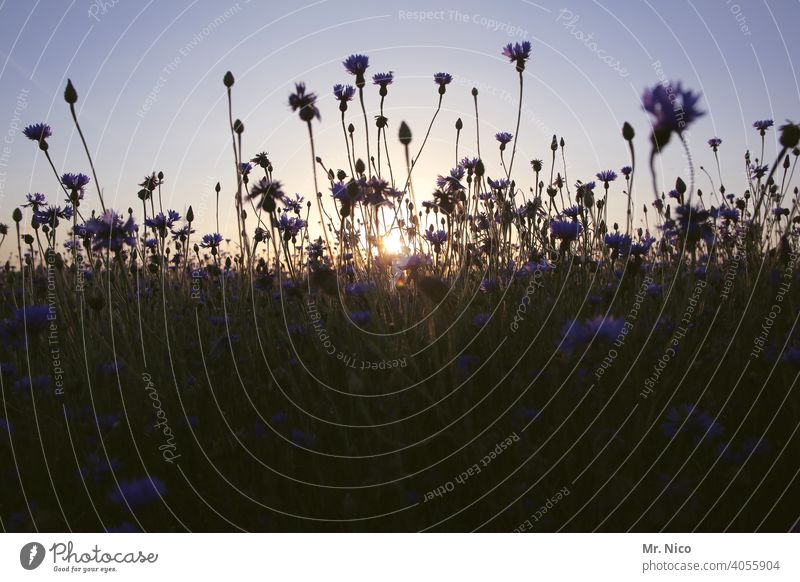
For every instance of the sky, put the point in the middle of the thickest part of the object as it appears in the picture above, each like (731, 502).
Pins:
(151, 97)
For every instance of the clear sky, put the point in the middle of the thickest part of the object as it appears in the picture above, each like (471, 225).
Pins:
(149, 76)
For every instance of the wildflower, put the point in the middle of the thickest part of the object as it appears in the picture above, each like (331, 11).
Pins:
(52, 214)
(672, 108)
(537, 165)
(344, 93)
(481, 319)
(361, 318)
(452, 182)
(575, 334)
(503, 137)
(269, 191)
(617, 241)
(356, 65)
(262, 159)
(714, 143)
(3, 229)
(151, 182)
(75, 181)
(162, 222)
(182, 233)
(442, 79)
(500, 184)
(642, 246)
(572, 212)
(245, 168)
(383, 79)
(565, 230)
(626, 171)
(762, 125)
(109, 231)
(519, 53)
(211, 241)
(468, 164)
(34, 201)
(757, 171)
(606, 176)
(728, 213)
(304, 103)
(293, 205)
(38, 132)
(138, 492)
(290, 226)
(437, 238)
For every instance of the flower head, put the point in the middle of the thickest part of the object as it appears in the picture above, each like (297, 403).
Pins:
(503, 137)
(565, 230)
(442, 79)
(356, 64)
(714, 143)
(383, 79)
(763, 125)
(38, 132)
(109, 231)
(672, 108)
(343, 93)
(211, 241)
(626, 171)
(304, 102)
(519, 53)
(74, 181)
(606, 176)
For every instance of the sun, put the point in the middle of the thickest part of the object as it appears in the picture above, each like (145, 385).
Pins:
(392, 242)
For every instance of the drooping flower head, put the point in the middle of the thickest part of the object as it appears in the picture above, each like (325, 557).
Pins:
(519, 53)
(304, 103)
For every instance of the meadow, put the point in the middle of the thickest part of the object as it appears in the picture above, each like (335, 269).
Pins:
(490, 351)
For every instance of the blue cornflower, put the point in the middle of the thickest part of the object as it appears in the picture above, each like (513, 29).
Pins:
(500, 184)
(35, 200)
(290, 226)
(503, 137)
(52, 214)
(698, 425)
(626, 171)
(182, 232)
(674, 194)
(672, 108)
(211, 241)
(442, 79)
(383, 79)
(519, 53)
(294, 205)
(452, 182)
(757, 171)
(618, 241)
(469, 163)
(74, 181)
(361, 318)
(729, 213)
(37, 132)
(714, 143)
(575, 333)
(162, 222)
(356, 64)
(109, 231)
(565, 230)
(437, 238)
(138, 492)
(606, 176)
(343, 93)
(642, 247)
(481, 319)
(304, 103)
(245, 168)
(572, 211)
(762, 125)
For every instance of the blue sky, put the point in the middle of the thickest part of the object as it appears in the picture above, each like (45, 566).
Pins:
(149, 76)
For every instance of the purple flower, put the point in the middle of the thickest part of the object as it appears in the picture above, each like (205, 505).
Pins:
(519, 53)
(35, 200)
(642, 247)
(109, 231)
(37, 132)
(74, 181)
(503, 137)
(383, 79)
(469, 163)
(565, 230)
(762, 125)
(481, 319)
(138, 492)
(437, 238)
(626, 171)
(211, 241)
(290, 226)
(245, 168)
(356, 64)
(672, 108)
(442, 79)
(757, 171)
(361, 318)
(500, 184)
(304, 102)
(606, 176)
(696, 424)
(572, 212)
(714, 143)
(343, 93)
(293, 205)
(618, 241)
(575, 333)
